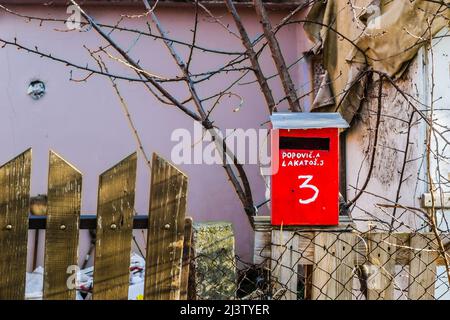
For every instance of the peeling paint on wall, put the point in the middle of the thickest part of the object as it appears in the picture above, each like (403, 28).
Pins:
(389, 161)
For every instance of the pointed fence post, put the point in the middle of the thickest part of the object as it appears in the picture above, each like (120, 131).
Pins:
(62, 229)
(14, 208)
(114, 230)
(165, 231)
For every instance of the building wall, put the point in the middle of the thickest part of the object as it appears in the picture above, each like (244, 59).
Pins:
(426, 79)
(438, 62)
(84, 123)
(438, 57)
(390, 159)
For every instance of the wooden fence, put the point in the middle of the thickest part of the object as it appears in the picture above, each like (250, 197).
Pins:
(166, 268)
(340, 263)
(332, 263)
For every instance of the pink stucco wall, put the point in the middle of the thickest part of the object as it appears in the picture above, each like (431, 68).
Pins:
(84, 122)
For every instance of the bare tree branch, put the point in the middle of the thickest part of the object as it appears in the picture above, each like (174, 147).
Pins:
(277, 56)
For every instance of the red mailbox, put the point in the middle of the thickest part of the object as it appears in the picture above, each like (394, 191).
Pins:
(305, 162)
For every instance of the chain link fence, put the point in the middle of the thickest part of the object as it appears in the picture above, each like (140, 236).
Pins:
(341, 263)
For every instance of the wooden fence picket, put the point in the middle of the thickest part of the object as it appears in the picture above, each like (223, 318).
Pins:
(165, 231)
(422, 267)
(114, 230)
(284, 264)
(62, 229)
(187, 248)
(14, 208)
(333, 271)
(381, 255)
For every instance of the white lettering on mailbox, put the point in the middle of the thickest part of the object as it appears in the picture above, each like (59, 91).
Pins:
(301, 159)
(305, 185)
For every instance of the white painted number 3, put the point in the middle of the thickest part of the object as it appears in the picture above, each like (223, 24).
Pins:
(305, 185)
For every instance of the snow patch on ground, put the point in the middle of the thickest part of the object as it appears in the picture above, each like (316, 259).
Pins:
(35, 281)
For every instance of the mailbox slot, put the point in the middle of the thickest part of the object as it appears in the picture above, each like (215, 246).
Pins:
(295, 143)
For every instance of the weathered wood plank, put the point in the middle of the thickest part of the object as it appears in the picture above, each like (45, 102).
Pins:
(263, 238)
(166, 231)
(422, 268)
(14, 205)
(61, 237)
(187, 250)
(381, 256)
(284, 263)
(402, 257)
(115, 211)
(333, 270)
(437, 201)
(155, 227)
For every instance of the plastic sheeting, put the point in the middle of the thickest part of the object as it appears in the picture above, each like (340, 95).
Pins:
(358, 34)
